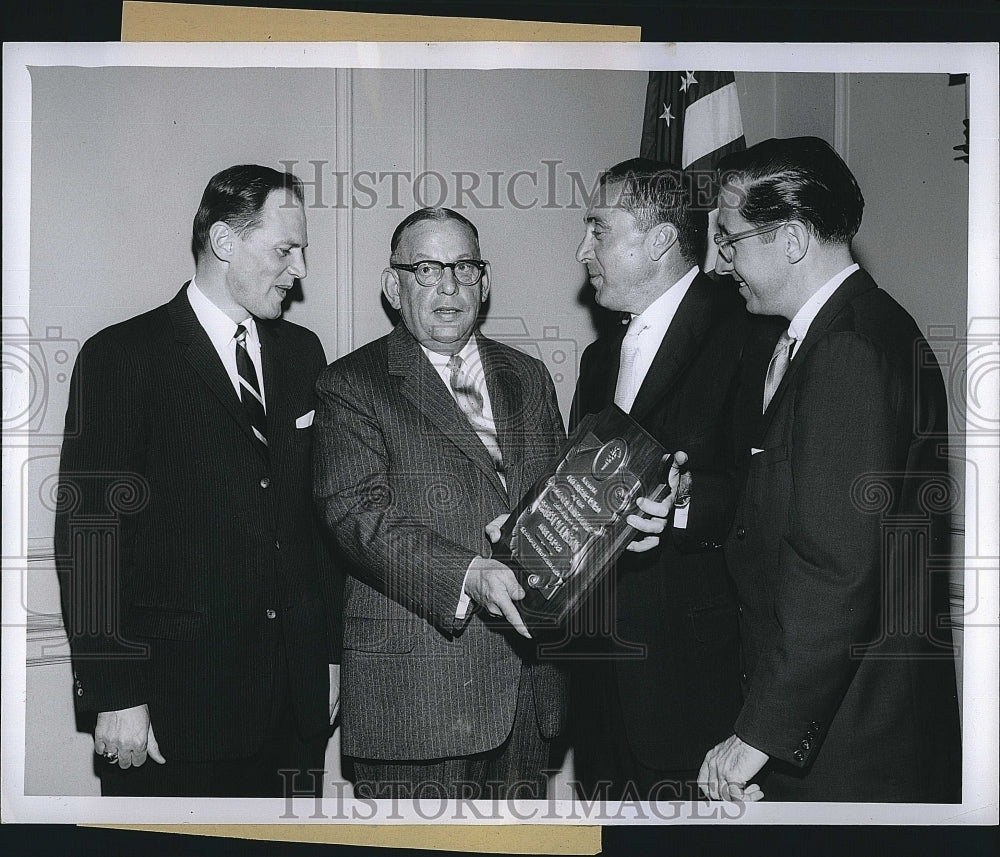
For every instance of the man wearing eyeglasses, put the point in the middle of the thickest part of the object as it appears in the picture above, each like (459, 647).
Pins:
(849, 689)
(425, 437)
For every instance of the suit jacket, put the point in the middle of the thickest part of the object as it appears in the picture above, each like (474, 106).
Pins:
(187, 559)
(851, 679)
(407, 487)
(676, 671)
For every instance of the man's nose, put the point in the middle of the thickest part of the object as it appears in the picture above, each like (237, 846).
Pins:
(297, 267)
(583, 252)
(448, 284)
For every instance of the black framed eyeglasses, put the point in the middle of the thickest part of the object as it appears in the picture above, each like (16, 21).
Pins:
(725, 242)
(429, 272)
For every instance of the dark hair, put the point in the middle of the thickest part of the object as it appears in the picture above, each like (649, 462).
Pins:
(429, 214)
(658, 192)
(236, 196)
(798, 178)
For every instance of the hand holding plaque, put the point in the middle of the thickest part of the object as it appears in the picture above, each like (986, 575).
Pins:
(568, 530)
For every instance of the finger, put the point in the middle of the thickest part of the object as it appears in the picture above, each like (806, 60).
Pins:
(680, 459)
(652, 507)
(753, 792)
(643, 545)
(153, 748)
(100, 746)
(138, 758)
(124, 759)
(646, 525)
(511, 614)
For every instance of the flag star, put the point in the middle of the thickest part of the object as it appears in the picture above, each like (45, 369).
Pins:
(666, 114)
(689, 80)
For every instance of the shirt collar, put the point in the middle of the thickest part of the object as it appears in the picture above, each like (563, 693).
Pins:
(799, 326)
(220, 327)
(469, 354)
(658, 315)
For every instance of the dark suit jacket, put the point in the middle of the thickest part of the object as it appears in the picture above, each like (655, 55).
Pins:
(407, 488)
(679, 695)
(175, 537)
(851, 680)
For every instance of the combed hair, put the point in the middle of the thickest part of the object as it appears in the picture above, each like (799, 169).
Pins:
(236, 196)
(429, 214)
(797, 178)
(658, 192)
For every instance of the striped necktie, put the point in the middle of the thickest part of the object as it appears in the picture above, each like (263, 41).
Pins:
(780, 360)
(470, 400)
(253, 404)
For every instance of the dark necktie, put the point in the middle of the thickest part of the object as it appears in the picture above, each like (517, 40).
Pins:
(253, 404)
(470, 400)
(780, 360)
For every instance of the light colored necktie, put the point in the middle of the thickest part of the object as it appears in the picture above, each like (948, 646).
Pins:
(628, 367)
(470, 400)
(776, 369)
(253, 403)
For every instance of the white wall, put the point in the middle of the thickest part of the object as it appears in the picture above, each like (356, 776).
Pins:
(120, 157)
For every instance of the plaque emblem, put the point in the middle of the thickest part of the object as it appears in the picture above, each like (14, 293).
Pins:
(610, 458)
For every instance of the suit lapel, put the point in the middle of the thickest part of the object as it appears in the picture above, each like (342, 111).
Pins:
(678, 347)
(502, 382)
(198, 350)
(275, 390)
(423, 387)
(853, 286)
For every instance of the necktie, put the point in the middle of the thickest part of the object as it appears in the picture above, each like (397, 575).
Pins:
(470, 400)
(628, 367)
(776, 369)
(253, 404)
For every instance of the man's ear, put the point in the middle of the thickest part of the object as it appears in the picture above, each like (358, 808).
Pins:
(660, 239)
(797, 239)
(484, 285)
(390, 287)
(221, 238)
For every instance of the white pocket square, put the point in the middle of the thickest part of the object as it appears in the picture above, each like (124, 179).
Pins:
(755, 451)
(305, 420)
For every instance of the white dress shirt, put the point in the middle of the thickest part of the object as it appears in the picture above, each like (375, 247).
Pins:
(799, 326)
(221, 330)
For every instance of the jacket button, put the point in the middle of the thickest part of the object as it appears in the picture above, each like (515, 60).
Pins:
(79, 691)
(741, 533)
(814, 726)
(265, 482)
(271, 614)
(797, 755)
(805, 744)
(739, 609)
(277, 544)
(743, 678)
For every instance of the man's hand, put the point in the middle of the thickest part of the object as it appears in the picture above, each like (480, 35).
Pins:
(334, 691)
(494, 588)
(679, 481)
(126, 737)
(493, 528)
(727, 769)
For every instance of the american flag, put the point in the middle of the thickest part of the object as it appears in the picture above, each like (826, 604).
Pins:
(692, 119)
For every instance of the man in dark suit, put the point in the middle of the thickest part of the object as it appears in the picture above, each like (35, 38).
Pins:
(850, 691)
(658, 679)
(195, 596)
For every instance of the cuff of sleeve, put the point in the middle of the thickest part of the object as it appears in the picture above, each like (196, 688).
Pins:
(681, 516)
(464, 602)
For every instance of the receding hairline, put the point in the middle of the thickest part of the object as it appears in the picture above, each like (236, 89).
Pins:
(404, 235)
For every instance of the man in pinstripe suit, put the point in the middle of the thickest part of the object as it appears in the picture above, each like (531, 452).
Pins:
(195, 596)
(443, 693)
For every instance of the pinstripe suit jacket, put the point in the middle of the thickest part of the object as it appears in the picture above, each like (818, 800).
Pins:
(407, 488)
(175, 536)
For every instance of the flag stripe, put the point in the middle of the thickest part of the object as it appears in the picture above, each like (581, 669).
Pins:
(710, 123)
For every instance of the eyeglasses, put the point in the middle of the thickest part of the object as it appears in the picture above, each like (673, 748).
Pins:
(429, 272)
(725, 242)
